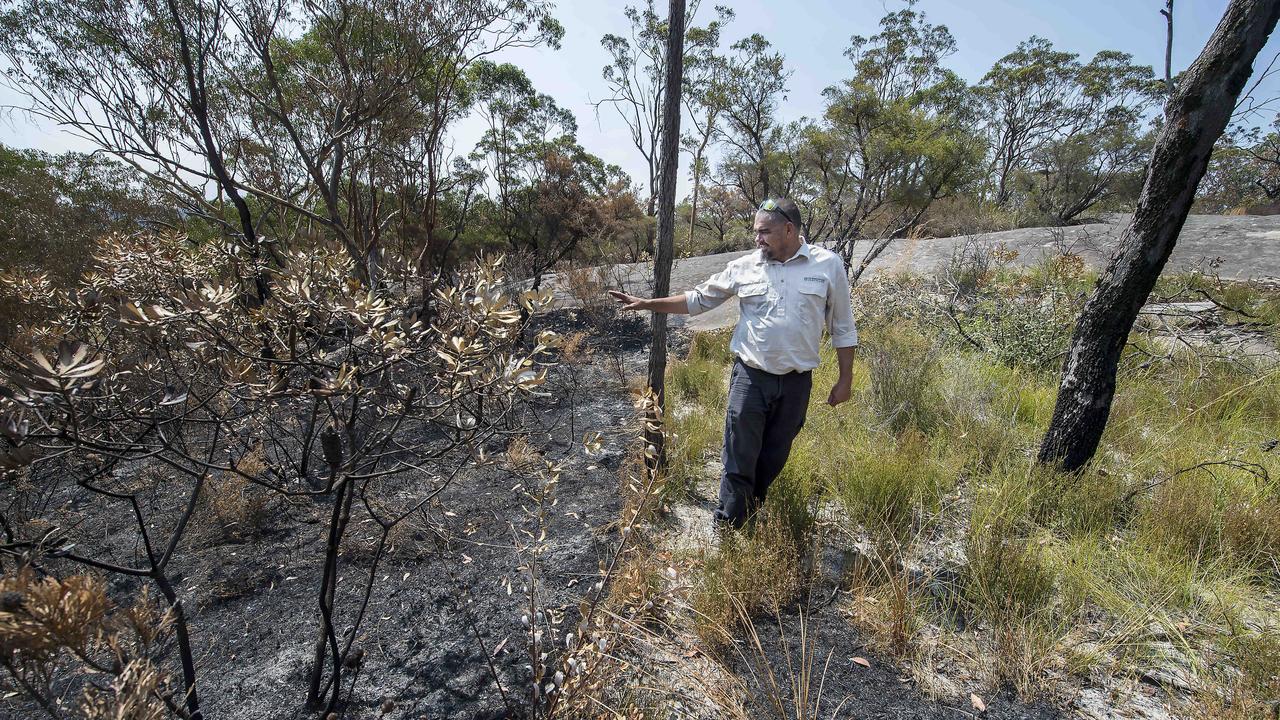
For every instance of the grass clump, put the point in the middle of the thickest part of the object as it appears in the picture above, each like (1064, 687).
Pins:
(891, 491)
(1085, 503)
(1010, 584)
(698, 381)
(1247, 685)
(697, 389)
(712, 346)
(753, 570)
(1228, 511)
(903, 366)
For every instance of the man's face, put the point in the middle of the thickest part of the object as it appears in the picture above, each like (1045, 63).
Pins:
(774, 235)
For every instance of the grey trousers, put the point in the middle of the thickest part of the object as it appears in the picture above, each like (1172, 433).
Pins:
(765, 413)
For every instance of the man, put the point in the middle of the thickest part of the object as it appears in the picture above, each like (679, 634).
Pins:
(788, 291)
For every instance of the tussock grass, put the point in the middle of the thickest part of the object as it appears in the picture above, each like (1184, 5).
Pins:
(712, 346)
(903, 364)
(1010, 585)
(891, 491)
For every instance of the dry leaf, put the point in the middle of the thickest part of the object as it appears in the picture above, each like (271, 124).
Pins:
(862, 661)
(977, 702)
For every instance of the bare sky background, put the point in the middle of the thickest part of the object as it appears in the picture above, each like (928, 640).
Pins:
(813, 35)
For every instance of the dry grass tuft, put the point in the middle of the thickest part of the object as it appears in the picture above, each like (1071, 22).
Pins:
(751, 571)
(234, 509)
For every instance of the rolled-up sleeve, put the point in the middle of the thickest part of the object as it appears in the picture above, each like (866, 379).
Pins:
(840, 323)
(712, 293)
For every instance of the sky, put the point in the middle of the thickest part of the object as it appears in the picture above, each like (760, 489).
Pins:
(813, 35)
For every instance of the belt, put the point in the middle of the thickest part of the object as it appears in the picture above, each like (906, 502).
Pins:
(791, 373)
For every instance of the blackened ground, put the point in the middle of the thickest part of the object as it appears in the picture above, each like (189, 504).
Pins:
(437, 610)
(439, 604)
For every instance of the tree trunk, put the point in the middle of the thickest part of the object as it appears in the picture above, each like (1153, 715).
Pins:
(1196, 114)
(764, 172)
(697, 187)
(189, 697)
(666, 213)
(1168, 46)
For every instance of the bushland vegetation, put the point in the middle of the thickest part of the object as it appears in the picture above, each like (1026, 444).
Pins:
(246, 144)
(277, 322)
(919, 513)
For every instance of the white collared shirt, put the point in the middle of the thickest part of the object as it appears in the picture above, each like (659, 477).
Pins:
(784, 307)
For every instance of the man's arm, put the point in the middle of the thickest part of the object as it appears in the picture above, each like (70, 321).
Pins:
(710, 294)
(844, 335)
(843, 388)
(672, 304)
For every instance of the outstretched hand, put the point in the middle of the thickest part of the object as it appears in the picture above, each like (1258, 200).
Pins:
(627, 302)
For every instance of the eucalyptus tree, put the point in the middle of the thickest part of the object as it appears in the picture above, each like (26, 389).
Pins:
(663, 259)
(723, 218)
(53, 206)
(751, 128)
(1062, 134)
(547, 193)
(1261, 147)
(708, 83)
(1025, 98)
(637, 75)
(277, 120)
(898, 135)
(1100, 143)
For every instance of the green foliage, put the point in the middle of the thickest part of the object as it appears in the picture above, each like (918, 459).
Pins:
(903, 364)
(898, 135)
(311, 125)
(1230, 182)
(1074, 174)
(1025, 331)
(697, 391)
(891, 489)
(1243, 172)
(723, 223)
(552, 196)
(750, 572)
(1065, 136)
(712, 345)
(752, 131)
(53, 208)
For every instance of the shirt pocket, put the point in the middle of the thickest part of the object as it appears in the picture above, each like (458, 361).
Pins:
(813, 298)
(756, 300)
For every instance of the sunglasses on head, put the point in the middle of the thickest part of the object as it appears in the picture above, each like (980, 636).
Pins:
(772, 206)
